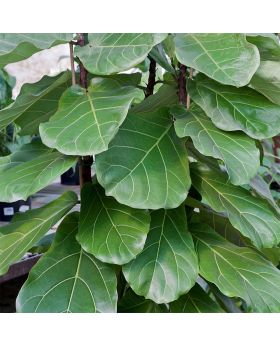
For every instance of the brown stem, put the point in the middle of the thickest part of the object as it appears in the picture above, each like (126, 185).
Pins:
(83, 72)
(182, 85)
(188, 95)
(85, 164)
(72, 63)
(152, 78)
(276, 147)
(85, 161)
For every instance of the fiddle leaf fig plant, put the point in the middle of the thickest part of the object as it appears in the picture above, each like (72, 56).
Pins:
(176, 214)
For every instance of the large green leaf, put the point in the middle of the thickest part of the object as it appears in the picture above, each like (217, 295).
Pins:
(221, 224)
(30, 169)
(43, 107)
(159, 55)
(15, 47)
(35, 103)
(112, 53)
(227, 58)
(165, 96)
(132, 303)
(237, 271)
(252, 216)
(234, 109)
(262, 188)
(112, 232)
(146, 164)
(27, 228)
(267, 81)
(67, 279)
(195, 301)
(268, 45)
(237, 150)
(87, 120)
(167, 267)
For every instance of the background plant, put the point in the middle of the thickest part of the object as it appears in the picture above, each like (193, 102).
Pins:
(180, 216)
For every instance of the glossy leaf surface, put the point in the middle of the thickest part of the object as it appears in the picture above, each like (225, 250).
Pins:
(27, 228)
(86, 121)
(167, 266)
(252, 216)
(195, 301)
(67, 279)
(238, 271)
(146, 164)
(227, 58)
(132, 303)
(35, 103)
(112, 232)
(233, 109)
(267, 81)
(235, 149)
(268, 45)
(115, 52)
(16, 47)
(31, 168)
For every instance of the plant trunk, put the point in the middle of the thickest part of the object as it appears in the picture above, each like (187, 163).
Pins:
(276, 147)
(86, 161)
(182, 85)
(152, 78)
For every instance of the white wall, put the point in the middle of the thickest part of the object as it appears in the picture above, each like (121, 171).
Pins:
(47, 62)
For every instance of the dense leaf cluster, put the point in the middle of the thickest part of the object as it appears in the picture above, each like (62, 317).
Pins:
(179, 217)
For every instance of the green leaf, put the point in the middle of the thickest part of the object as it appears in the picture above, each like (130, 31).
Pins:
(132, 303)
(113, 53)
(267, 81)
(167, 267)
(268, 45)
(131, 79)
(227, 58)
(237, 271)
(272, 254)
(159, 55)
(86, 121)
(252, 216)
(165, 96)
(112, 232)
(146, 165)
(220, 223)
(30, 169)
(43, 107)
(235, 149)
(195, 301)
(67, 279)
(35, 103)
(15, 47)
(233, 109)
(259, 186)
(27, 228)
